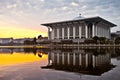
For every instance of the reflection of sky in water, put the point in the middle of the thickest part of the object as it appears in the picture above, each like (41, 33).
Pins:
(34, 61)
(20, 57)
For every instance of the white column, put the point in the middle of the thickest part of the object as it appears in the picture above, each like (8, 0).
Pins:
(68, 32)
(63, 33)
(86, 31)
(57, 33)
(49, 33)
(93, 61)
(68, 58)
(86, 60)
(93, 30)
(109, 32)
(53, 57)
(96, 30)
(57, 58)
(73, 58)
(80, 60)
(80, 32)
(52, 34)
(73, 32)
(63, 58)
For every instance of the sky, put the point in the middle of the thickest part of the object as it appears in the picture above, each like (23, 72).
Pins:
(22, 18)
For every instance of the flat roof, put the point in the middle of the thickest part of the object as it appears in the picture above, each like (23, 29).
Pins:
(91, 19)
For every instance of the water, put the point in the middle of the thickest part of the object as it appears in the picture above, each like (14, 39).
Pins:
(64, 64)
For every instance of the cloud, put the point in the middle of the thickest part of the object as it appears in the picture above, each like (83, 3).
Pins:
(32, 13)
(11, 6)
(74, 4)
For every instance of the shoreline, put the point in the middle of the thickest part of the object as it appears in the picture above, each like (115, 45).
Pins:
(52, 46)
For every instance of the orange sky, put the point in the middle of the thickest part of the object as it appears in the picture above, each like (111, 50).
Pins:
(20, 32)
(22, 18)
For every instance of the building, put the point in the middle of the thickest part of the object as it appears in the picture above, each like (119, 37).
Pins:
(43, 39)
(6, 40)
(21, 40)
(79, 28)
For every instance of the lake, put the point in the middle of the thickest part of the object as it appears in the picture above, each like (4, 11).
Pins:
(59, 64)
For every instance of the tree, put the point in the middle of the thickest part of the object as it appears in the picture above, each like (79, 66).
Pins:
(95, 38)
(40, 37)
(89, 41)
(27, 42)
(102, 40)
(117, 40)
(34, 40)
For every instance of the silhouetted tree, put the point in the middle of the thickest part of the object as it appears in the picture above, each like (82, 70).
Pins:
(40, 37)
(28, 42)
(102, 40)
(95, 38)
(117, 40)
(34, 40)
(89, 41)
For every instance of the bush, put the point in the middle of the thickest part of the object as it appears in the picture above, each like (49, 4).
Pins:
(89, 41)
(117, 40)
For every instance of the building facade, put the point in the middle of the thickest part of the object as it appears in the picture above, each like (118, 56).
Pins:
(21, 40)
(6, 40)
(79, 28)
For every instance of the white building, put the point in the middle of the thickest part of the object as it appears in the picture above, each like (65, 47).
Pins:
(21, 40)
(79, 28)
(42, 39)
(6, 40)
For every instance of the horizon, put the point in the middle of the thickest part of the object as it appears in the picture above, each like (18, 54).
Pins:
(19, 18)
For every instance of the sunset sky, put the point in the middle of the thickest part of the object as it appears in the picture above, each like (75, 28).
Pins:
(22, 18)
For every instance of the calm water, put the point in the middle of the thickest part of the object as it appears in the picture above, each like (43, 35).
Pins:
(72, 64)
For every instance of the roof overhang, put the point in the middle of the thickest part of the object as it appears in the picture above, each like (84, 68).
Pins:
(91, 19)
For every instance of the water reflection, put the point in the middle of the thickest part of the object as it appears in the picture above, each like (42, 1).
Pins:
(21, 55)
(87, 61)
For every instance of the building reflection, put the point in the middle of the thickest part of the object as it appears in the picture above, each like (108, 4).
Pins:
(5, 50)
(94, 62)
(23, 50)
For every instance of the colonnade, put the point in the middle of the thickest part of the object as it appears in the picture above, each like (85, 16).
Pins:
(77, 31)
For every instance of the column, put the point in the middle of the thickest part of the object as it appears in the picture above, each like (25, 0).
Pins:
(52, 34)
(68, 58)
(96, 30)
(86, 31)
(93, 30)
(48, 33)
(80, 32)
(73, 58)
(80, 60)
(53, 57)
(57, 33)
(63, 58)
(86, 60)
(93, 61)
(109, 32)
(73, 32)
(57, 58)
(68, 32)
(63, 33)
